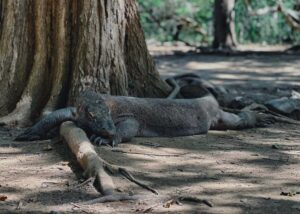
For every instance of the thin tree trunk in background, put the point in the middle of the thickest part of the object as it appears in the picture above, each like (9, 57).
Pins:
(52, 50)
(224, 29)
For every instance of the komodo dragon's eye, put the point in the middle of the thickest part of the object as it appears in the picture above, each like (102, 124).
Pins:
(91, 114)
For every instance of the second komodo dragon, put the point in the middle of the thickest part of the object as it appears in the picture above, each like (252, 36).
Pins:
(115, 119)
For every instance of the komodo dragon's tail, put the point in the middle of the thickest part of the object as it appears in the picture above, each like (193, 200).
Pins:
(201, 90)
(274, 118)
(266, 116)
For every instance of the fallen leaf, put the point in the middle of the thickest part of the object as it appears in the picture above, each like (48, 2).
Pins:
(290, 193)
(3, 197)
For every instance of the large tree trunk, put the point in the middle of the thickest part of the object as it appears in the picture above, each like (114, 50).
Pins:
(224, 30)
(52, 50)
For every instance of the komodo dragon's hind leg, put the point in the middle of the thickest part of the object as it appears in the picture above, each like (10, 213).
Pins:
(233, 121)
(127, 128)
(242, 120)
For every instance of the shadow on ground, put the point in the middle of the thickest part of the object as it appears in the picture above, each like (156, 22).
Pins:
(237, 171)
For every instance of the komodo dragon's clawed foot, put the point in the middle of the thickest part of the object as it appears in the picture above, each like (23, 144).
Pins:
(264, 120)
(29, 134)
(32, 134)
(100, 141)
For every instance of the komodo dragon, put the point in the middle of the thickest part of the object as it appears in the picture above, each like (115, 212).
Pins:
(114, 119)
(282, 109)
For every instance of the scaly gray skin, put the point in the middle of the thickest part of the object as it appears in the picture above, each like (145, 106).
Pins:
(114, 119)
(190, 85)
(41, 129)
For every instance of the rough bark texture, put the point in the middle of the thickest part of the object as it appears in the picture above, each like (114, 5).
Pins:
(52, 50)
(224, 30)
(137, 60)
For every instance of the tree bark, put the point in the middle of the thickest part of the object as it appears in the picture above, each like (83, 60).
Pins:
(224, 30)
(52, 50)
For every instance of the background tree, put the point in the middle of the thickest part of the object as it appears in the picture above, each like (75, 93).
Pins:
(177, 20)
(224, 25)
(192, 21)
(51, 50)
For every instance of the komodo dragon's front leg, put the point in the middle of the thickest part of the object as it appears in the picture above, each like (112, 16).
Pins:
(41, 130)
(89, 113)
(125, 126)
(126, 129)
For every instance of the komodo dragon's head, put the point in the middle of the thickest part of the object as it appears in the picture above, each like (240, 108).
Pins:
(94, 115)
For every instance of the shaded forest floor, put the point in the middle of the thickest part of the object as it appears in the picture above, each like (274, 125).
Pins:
(237, 171)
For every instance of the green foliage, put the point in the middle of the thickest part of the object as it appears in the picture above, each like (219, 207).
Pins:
(269, 29)
(160, 19)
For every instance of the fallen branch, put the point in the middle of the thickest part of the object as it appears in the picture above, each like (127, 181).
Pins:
(115, 197)
(178, 200)
(95, 167)
(149, 154)
(126, 174)
(82, 209)
(86, 182)
(195, 199)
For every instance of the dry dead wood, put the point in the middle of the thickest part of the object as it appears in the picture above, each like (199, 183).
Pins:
(95, 167)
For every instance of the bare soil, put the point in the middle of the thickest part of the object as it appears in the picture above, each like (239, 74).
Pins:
(236, 171)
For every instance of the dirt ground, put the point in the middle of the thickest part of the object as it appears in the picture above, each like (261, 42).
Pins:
(236, 171)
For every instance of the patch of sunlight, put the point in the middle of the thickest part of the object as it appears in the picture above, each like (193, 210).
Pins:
(8, 150)
(232, 185)
(194, 65)
(236, 76)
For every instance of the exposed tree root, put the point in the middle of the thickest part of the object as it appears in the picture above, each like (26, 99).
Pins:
(126, 174)
(95, 167)
(116, 197)
(20, 116)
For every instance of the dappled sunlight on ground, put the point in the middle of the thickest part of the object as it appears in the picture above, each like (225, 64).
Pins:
(226, 70)
(237, 171)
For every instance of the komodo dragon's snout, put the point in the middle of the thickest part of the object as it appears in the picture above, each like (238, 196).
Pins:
(90, 113)
(96, 118)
